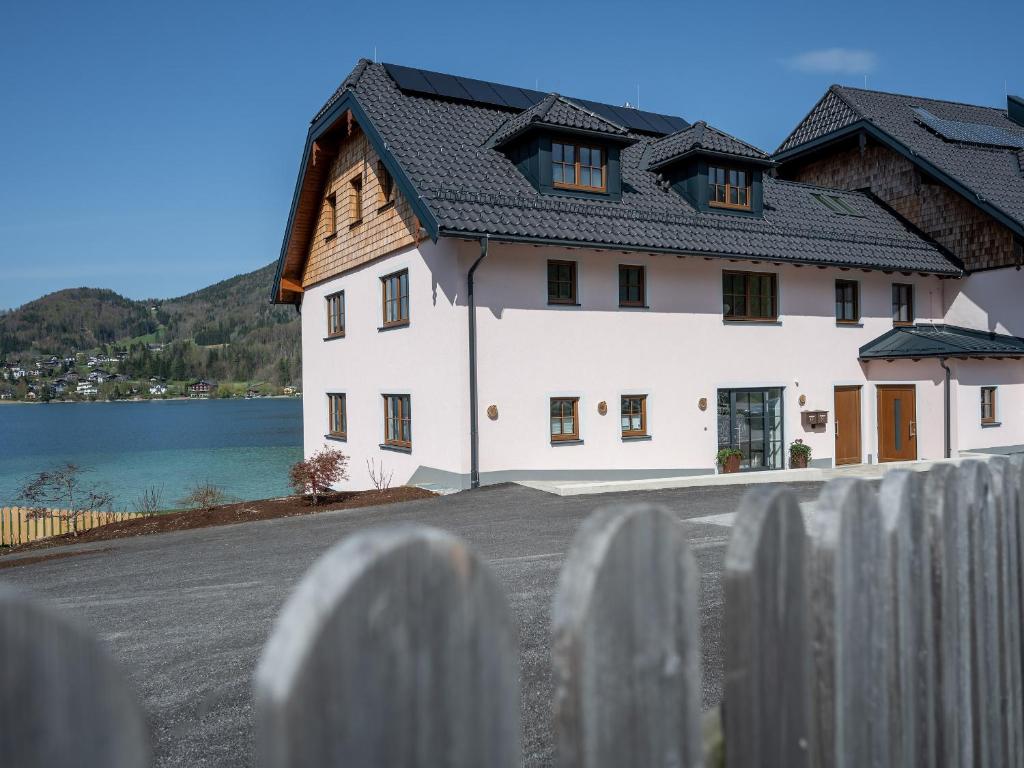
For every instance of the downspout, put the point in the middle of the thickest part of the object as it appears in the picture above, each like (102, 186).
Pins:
(474, 422)
(942, 362)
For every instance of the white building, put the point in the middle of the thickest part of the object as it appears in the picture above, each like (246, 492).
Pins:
(645, 294)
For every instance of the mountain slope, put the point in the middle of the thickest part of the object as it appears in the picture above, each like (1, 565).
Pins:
(224, 331)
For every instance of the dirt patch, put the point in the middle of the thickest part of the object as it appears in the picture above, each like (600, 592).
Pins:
(241, 512)
(42, 558)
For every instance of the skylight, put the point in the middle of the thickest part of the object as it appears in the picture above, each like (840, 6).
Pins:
(836, 204)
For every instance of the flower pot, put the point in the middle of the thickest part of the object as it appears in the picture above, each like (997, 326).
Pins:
(732, 464)
(798, 461)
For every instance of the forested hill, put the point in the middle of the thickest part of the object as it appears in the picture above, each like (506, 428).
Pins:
(227, 331)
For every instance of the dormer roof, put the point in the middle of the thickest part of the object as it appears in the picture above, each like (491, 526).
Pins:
(558, 112)
(701, 138)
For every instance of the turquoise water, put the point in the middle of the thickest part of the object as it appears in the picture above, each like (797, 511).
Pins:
(243, 446)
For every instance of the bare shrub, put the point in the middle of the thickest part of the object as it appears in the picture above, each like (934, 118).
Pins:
(203, 497)
(318, 473)
(381, 480)
(150, 501)
(63, 489)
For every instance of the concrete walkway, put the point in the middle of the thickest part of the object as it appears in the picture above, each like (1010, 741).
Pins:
(810, 475)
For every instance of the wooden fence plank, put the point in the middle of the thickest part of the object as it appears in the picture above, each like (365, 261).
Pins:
(911, 649)
(1007, 508)
(765, 627)
(850, 626)
(398, 648)
(977, 498)
(949, 538)
(625, 651)
(63, 701)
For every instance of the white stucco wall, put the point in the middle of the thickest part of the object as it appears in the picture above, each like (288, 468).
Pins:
(426, 360)
(987, 301)
(676, 351)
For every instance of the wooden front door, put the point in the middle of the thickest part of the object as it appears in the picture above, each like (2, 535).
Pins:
(897, 423)
(847, 425)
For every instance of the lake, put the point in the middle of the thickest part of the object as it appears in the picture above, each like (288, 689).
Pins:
(243, 446)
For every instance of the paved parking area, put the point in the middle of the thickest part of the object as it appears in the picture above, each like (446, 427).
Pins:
(187, 613)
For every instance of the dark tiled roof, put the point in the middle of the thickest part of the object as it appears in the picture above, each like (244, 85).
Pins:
(700, 137)
(469, 188)
(941, 341)
(995, 174)
(558, 112)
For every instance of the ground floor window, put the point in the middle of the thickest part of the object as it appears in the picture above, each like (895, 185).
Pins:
(397, 421)
(565, 422)
(988, 405)
(337, 420)
(751, 420)
(634, 415)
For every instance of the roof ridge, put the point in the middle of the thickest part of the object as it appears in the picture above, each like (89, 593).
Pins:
(1000, 110)
(349, 83)
(577, 105)
(541, 108)
(735, 138)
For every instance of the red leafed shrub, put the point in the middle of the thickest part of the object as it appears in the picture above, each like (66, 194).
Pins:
(318, 473)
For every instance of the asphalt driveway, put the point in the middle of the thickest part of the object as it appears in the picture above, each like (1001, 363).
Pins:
(187, 613)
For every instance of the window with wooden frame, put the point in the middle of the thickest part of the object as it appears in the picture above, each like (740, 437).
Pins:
(337, 419)
(634, 415)
(988, 405)
(847, 301)
(355, 200)
(336, 314)
(902, 304)
(386, 186)
(632, 286)
(397, 421)
(561, 282)
(578, 166)
(729, 188)
(749, 296)
(332, 216)
(565, 422)
(395, 298)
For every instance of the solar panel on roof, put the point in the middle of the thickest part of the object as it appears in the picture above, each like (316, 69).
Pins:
(970, 133)
(483, 92)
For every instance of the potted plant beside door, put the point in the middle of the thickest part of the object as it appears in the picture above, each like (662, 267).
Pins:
(728, 460)
(799, 454)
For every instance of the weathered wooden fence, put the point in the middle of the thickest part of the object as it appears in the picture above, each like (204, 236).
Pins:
(881, 629)
(20, 525)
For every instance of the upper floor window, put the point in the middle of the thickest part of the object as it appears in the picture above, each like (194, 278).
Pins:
(631, 286)
(336, 314)
(749, 296)
(729, 188)
(337, 419)
(847, 301)
(565, 422)
(988, 405)
(561, 282)
(386, 185)
(355, 200)
(634, 415)
(397, 421)
(578, 166)
(332, 215)
(902, 304)
(395, 298)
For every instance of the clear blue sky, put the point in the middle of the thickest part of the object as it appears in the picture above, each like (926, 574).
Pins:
(152, 147)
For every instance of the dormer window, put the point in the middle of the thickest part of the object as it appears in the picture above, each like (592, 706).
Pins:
(578, 166)
(729, 188)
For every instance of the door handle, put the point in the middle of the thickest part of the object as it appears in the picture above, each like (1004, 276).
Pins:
(837, 427)
(913, 429)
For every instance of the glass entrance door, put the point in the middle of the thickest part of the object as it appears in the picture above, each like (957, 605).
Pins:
(751, 420)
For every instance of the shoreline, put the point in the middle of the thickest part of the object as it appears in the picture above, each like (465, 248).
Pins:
(145, 400)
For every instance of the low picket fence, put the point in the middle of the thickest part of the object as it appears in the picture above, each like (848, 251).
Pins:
(885, 630)
(20, 525)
